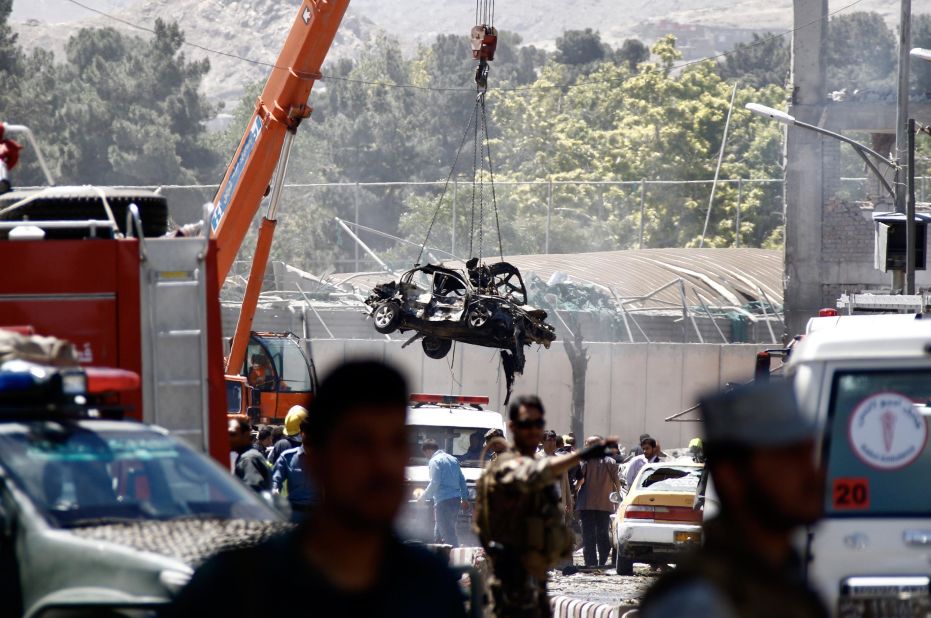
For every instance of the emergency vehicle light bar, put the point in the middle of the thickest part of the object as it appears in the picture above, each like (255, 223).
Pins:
(110, 380)
(449, 399)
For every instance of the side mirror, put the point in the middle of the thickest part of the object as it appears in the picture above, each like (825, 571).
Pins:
(614, 497)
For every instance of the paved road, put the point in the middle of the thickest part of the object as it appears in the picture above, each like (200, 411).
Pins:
(604, 585)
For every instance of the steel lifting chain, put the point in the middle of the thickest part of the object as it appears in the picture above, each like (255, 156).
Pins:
(484, 40)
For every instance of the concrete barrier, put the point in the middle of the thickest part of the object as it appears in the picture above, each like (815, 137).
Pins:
(567, 607)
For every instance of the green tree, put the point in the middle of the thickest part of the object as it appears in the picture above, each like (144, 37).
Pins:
(137, 117)
(860, 53)
(632, 52)
(576, 47)
(764, 61)
(118, 110)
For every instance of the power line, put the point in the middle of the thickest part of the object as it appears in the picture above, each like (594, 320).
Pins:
(364, 82)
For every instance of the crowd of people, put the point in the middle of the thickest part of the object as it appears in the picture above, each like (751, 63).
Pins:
(273, 459)
(342, 465)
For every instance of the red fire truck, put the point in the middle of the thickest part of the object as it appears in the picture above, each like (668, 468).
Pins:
(94, 266)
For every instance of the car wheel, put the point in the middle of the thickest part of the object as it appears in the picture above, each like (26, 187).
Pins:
(387, 316)
(624, 566)
(436, 348)
(479, 316)
(81, 203)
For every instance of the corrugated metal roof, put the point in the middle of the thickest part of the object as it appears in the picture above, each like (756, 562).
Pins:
(721, 276)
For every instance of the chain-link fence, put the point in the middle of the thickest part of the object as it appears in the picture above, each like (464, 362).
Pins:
(357, 227)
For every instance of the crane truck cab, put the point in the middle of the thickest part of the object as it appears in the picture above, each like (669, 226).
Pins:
(866, 381)
(458, 424)
(276, 375)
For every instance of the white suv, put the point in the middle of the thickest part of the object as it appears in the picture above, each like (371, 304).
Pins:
(868, 382)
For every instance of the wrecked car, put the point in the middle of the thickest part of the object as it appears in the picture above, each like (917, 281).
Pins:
(484, 305)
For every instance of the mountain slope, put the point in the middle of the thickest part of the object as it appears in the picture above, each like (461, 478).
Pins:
(257, 28)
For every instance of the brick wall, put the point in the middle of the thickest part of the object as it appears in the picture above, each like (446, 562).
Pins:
(847, 232)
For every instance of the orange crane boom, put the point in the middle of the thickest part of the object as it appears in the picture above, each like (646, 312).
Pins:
(263, 153)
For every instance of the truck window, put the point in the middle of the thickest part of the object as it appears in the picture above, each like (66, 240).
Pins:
(877, 454)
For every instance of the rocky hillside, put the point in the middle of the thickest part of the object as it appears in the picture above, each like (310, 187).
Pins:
(256, 28)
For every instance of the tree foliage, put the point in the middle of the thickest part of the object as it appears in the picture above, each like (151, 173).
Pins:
(116, 110)
(860, 53)
(764, 61)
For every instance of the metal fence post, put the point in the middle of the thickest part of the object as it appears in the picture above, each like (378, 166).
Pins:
(643, 183)
(356, 219)
(740, 193)
(549, 216)
(455, 201)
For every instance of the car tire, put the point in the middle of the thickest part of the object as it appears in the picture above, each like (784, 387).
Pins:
(386, 316)
(623, 566)
(81, 203)
(479, 315)
(436, 348)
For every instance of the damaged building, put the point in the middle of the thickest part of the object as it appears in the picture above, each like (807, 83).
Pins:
(637, 296)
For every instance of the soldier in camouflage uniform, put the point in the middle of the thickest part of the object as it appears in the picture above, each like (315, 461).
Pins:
(518, 514)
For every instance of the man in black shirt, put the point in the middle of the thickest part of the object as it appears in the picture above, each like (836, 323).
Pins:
(344, 560)
(251, 466)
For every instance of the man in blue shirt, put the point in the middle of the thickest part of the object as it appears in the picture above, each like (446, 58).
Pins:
(448, 490)
(290, 469)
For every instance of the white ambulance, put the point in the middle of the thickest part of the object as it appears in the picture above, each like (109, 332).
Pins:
(867, 380)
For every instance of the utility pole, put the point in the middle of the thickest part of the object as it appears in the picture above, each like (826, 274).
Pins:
(910, 228)
(901, 112)
(901, 124)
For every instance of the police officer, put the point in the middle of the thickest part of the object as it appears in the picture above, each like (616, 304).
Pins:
(760, 449)
(518, 513)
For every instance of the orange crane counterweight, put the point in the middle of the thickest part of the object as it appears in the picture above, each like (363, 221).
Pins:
(263, 153)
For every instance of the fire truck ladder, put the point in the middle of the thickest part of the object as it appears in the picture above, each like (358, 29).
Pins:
(173, 286)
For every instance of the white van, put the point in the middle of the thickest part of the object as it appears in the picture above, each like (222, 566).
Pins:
(458, 424)
(868, 382)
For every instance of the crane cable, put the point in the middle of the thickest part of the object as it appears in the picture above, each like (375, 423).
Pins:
(484, 41)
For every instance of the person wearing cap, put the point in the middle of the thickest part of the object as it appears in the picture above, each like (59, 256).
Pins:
(292, 433)
(760, 450)
(495, 443)
(290, 473)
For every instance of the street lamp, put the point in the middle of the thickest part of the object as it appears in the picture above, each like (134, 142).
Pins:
(862, 150)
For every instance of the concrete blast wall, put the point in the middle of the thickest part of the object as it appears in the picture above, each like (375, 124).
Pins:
(630, 387)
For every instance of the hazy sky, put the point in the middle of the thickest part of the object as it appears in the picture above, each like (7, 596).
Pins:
(60, 10)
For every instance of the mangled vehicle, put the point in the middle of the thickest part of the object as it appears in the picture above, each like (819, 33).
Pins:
(482, 304)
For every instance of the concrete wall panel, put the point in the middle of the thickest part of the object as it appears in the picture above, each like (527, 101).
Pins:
(628, 391)
(409, 361)
(598, 389)
(328, 353)
(701, 372)
(664, 390)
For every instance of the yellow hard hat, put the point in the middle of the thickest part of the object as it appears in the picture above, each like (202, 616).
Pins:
(292, 422)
